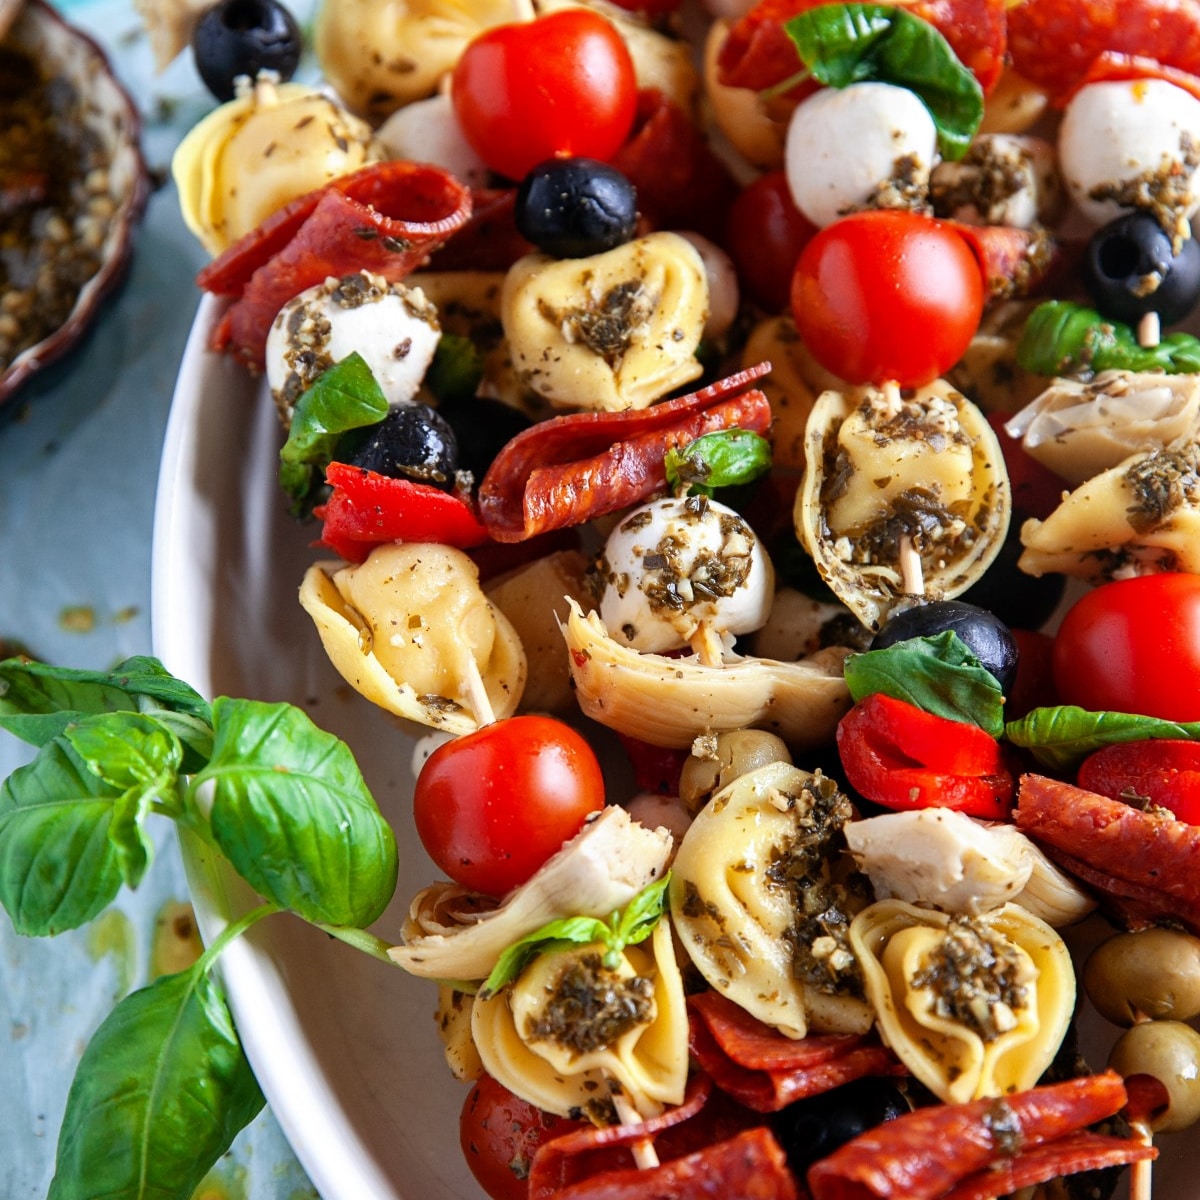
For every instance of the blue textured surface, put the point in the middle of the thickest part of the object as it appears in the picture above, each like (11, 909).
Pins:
(79, 453)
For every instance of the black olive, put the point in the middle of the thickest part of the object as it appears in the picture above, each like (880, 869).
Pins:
(1131, 269)
(243, 37)
(1021, 601)
(574, 207)
(413, 442)
(986, 636)
(813, 1128)
(482, 426)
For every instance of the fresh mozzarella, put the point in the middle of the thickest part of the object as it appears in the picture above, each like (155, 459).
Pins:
(857, 146)
(429, 131)
(723, 292)
(1131, 143)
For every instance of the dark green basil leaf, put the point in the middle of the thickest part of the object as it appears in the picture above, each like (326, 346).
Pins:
(59, 866)
(725, 458)
(642, 913)
(343, 398)
(456, 370)
(292, 813)
(160, 1093)
(37, 701)
(841, 44)
(1061, 737)
(1063, 338)
(938, 674)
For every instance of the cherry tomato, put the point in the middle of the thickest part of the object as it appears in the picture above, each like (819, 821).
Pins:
(560, 84)
(1133, 646)
(493, 805)
(1165, 771)
(764, 237)
(887, 295)
(500, 1133)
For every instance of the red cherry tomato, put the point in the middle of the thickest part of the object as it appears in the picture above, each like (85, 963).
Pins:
(500, 1133)
(1133, 646)
(493, 805)
(560, 84)
(887, 295)
(1166, 772)
(764, 236)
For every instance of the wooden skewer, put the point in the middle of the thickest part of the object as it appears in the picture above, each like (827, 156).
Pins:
(644, 1154)
(707, 644)
(912, 574)
(891, 397)
(1149, 331)
(478, 700)
(1140, 1173)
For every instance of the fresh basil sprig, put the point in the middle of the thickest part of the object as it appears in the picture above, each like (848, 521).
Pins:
(164, 1086)
(1062, 736)
(841, 44)
(725, 458)
(456, 370)
(938, 674)
(633, 924)
(1063, 338)
(340, 400)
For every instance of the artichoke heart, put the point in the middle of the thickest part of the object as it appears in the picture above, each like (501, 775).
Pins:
(613, 331)
(1141, 516)
(921, 471)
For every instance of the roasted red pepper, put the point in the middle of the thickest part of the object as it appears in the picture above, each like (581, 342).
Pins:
(902, 757)
(367, 510)
(1164, 771)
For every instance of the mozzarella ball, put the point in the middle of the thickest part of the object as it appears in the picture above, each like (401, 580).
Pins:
(724, 296)
(428, 131)
(395, 329)
(1131, 144)
(675, 564)
(861, 145)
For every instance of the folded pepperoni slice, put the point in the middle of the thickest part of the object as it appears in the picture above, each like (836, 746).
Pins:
(766, 1071)
(928, 1153)
(570, 469)
(386, 218)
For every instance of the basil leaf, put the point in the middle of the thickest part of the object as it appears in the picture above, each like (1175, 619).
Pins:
(567, 931)
(841, 44)
(938, 674)
(1062, 338)
(642, 913)
(140, 758)
(160, 1093)
(1061, 737)
(456, 370)
(343, 398)
(722, 459)
(58, 865)
(38, 701)
(292, 813)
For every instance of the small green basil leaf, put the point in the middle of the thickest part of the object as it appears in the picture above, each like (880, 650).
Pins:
(456, 370)
(938, 674)
(725, 458)
(343, 398)
(641, 914)
(841, 44)
(37, 701)
(1061, 737)
(567, 931)
(160, 1093)
(58, 865)
(1063, 338)
(292, 813)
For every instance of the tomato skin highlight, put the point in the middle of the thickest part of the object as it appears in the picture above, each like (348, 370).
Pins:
(557, 85)
(1164, 770)
(1133, 646)
(904, 758)
(887, 296)
(492, 806)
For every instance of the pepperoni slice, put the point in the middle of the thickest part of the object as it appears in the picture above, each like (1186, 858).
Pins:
(386, 218)
(570, 469)
(1054, 43)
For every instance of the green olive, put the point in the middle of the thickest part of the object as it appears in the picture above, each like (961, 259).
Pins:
(1168, 1051)
(1151, 973)
(723, 758)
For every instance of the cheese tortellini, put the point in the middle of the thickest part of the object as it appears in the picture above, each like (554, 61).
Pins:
(922, 471)
(762, 896)
(612, 331)
(973, 1006)
(412, 630)
(571, 1027)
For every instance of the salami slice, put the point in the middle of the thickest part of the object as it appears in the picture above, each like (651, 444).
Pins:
(766, 1071)
(1145, 864)
(570, 469)
(386, 218)
(924, 1155)
(1014, 261)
